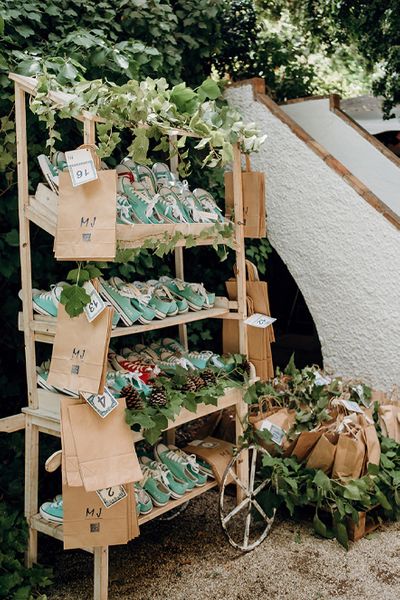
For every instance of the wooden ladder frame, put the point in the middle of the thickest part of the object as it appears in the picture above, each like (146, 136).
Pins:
(24, 86)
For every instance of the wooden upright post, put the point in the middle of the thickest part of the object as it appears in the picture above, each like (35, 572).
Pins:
(241, 409)
(31, 431)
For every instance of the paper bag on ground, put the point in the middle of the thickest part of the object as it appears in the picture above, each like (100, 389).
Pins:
(70, 464)
(86, 222)
(79, 351)
(104, 447)
(217, 453)
(350, 454)
(322, 455)
(88, 523)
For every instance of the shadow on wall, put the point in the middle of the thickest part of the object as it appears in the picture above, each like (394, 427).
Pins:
(295, 331)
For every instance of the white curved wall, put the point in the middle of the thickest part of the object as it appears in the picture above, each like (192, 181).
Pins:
(343, 254)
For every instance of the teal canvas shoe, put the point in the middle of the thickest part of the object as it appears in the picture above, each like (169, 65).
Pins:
(177, 489)
(144, 504)
(176, 464)
(129, 315)
(139, 300)
(53, 511)
(155, 487)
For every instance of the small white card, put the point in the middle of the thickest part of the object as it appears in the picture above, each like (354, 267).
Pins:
(112, 495)
(352, 406)
(259, 320)
(277, 433)
(103, 404)
(96, 304)
(81, 166)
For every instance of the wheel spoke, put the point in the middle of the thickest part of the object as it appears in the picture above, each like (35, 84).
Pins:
(240, 483)
(260, 510)
(237, 508)
(253, 469)
(247, 527)
(260, 487)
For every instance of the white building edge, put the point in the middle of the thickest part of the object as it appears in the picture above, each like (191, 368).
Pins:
(333, 215)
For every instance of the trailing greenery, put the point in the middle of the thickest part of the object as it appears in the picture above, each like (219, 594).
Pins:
(16, 581)
(153, 420)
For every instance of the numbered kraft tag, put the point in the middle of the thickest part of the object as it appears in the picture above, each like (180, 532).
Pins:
(103, 404)
(259, 320)
(81, 166)
(96, 304)
(112, 495)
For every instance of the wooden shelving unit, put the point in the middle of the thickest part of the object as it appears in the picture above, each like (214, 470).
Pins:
(42, 414)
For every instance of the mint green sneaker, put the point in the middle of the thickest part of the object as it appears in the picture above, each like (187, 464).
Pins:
(192, 465)
(53, 511)
(176, 464)
(177, 489)
(142, 204)
(129, 315)
(165, 300)
(155, 487)
(140, 301)
(194, 293)
(144, 505)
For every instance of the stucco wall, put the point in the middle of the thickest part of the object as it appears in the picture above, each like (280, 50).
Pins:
(344, 256)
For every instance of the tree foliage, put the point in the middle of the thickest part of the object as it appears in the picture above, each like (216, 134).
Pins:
(372, 27)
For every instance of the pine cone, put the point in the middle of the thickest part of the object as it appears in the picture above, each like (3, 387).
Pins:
(193, 383)
(208, 377)
(158, 396)
(132, 398)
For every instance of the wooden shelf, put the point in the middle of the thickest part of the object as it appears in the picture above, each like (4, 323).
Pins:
(128, 236)
(44, 327)
(55, 530)
(47, 416)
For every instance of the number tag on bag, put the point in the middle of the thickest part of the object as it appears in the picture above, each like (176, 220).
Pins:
(259, 320)
(112, 495)
(81, 166)
(103, 404)
(96, 304)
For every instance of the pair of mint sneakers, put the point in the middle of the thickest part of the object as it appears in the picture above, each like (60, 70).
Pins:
(170, 476)
(53, 511)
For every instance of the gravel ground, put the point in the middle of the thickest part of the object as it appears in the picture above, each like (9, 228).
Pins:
(189, 559)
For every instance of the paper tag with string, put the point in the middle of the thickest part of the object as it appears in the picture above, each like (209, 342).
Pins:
(96, 305)
(81, 166)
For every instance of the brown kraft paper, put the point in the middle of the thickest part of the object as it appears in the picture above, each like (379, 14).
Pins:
(86, 222)
(104, 447)
(80, 351)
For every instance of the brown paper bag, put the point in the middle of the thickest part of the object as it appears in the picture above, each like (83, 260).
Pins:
(218, 454)
(86, 222)
(350, 454)
(322, 455)
(259, 340)
(80, 351)
(69, 461)
(104, 447)
(87, 523)
(253, 189)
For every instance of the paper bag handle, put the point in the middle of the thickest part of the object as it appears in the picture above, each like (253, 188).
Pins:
(93, 150)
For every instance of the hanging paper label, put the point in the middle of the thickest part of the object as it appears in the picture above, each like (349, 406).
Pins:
(277, 433)
(103, 404)
(352, 406)
(112, 495)
(259, 320)
(96, 304)
(81, 166)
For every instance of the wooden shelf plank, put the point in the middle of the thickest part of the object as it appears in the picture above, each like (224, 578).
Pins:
(47, 416)
(128, 236)
(55, 530)
(45, 326)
